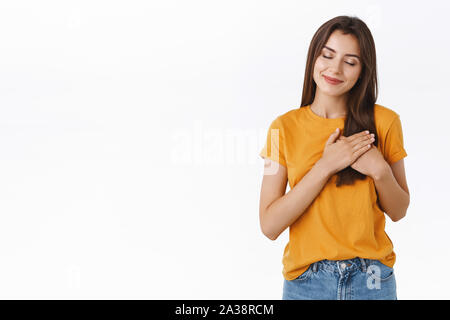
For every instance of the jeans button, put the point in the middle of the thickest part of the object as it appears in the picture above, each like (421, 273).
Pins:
(343, 265)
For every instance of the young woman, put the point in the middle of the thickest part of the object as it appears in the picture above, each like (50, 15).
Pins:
(342, 155)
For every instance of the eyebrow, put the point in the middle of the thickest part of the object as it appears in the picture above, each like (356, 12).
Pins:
(348, 54)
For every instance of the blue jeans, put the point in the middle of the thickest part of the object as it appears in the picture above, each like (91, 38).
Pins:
(352, 279)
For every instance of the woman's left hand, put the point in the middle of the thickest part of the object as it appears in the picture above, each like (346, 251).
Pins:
(370, 163)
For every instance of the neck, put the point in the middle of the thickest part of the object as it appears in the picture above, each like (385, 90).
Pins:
(329, 106)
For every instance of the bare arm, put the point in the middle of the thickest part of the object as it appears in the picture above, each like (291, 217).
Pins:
(279, 210)
(393, 193)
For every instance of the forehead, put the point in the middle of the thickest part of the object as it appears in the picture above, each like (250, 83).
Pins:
(343, 43)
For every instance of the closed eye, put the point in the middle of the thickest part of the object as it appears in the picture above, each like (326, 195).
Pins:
(352, 64)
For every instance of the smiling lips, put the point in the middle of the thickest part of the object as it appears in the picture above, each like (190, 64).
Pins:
(332, 80)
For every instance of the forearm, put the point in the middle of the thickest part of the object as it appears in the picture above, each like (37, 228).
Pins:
(285, 210)
(392, 198)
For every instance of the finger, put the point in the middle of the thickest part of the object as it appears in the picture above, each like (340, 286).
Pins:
(361, 144)
(333, 136)
(362, 150)
(361, 139)
(358, 135)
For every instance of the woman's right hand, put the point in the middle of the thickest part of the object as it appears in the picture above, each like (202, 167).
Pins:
(340, 154)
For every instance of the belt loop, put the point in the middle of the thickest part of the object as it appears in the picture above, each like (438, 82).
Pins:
(314, 267)
(363, 264)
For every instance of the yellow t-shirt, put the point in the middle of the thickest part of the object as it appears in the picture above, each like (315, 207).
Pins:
(342, 222)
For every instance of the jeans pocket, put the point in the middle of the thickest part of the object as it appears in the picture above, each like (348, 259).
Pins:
(379, 271)
(305, 275)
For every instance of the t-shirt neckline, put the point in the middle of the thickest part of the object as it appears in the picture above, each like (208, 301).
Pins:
(326, 121)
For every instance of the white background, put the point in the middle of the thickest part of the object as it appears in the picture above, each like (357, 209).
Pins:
(130, 133)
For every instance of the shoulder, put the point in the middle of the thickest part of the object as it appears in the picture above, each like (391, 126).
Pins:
(384, 116)
(289, 117)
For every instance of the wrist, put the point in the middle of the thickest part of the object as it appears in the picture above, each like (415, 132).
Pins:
(323, 169)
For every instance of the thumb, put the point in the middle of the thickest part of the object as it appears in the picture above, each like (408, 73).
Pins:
(333, 136)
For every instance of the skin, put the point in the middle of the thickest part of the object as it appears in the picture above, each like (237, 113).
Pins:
(330, 101)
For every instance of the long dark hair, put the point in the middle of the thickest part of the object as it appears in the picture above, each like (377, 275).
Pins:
(362, 97)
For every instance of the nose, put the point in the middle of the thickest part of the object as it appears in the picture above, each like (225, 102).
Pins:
(336, 66)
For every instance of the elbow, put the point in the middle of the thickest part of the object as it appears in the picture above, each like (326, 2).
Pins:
(273, 238)
(267, 231)
(270, 235)
(400, 216)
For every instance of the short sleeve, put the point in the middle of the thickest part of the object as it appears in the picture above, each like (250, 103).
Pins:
(394, 148)
(274, 147)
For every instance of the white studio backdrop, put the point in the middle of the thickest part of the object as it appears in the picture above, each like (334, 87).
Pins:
(130, 133)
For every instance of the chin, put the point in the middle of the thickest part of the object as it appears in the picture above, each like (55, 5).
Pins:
(331, 92)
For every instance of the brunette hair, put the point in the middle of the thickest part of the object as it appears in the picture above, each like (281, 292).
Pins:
(362, 96)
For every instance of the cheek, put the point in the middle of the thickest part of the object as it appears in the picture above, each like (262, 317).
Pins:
(319, 66)
(352, 75)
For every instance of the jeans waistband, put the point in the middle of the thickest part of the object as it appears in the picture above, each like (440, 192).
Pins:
(341, 265)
